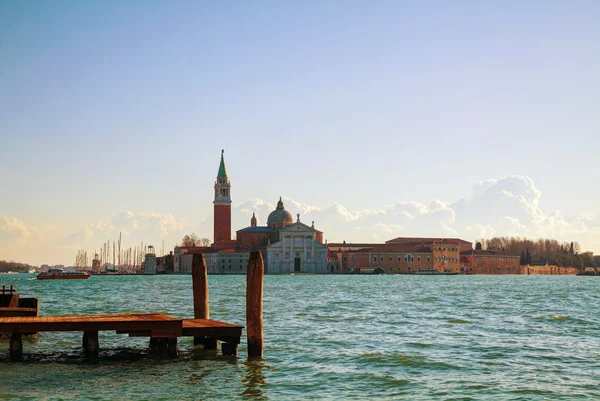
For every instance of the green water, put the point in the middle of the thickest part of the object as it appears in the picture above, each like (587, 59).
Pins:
(328, 337)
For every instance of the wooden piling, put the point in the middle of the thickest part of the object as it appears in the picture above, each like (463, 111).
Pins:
(90, 343)
(200, 287)
(16, 346)
(172, 349)
(254, 304)
(200, 294)
(153, 344)
(230, 348)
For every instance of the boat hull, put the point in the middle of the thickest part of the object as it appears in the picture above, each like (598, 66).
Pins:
(65, 277)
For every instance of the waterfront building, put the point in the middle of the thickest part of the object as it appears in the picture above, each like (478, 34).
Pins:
(298, 250)
(491, 262)
(402, 255)
(286, 246)
(150, 261)
(446, 255)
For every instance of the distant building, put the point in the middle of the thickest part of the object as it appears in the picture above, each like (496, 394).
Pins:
(286, 246)
(402, 255)
(150, 261)
(491, 262)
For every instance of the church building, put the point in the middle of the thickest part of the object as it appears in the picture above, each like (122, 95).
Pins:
(286, 246)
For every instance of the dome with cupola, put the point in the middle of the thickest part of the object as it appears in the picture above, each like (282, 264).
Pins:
(279, 217)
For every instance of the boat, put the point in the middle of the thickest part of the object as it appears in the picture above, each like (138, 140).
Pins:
(12, 305)
(60, 274)
(430, 272)
(426, 272)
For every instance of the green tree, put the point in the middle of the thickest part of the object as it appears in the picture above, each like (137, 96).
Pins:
(523, 260)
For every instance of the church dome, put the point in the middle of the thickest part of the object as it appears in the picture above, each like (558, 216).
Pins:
(279, 217)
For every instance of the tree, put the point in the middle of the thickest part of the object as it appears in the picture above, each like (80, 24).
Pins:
(523, 260)
(527, 257)
(193, 240)
(478, 246)
(190, 240)
(588, 259)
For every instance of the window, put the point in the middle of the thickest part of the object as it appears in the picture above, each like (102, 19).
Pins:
(399, 259)
(375, 258)
(381, 259)
(390, 258)
(429, 258)
(418, 258)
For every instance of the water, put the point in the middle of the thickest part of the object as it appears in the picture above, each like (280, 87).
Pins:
(328, 337)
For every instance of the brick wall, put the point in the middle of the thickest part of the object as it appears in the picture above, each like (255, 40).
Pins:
(496, 264)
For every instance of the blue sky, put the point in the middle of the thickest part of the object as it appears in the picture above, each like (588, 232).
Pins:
(110, 106)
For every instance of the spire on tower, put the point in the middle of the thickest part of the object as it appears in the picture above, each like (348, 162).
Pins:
(222, 169)
(253, 220)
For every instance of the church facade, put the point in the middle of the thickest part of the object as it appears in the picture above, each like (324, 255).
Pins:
(297, 251)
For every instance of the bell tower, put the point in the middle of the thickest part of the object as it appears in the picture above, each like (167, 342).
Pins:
(222, 205)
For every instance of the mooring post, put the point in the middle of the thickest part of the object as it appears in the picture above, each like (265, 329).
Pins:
(16, 346)
(90, 343)
(254, 304)
(200, 293)
(153, 344)
(172, 349)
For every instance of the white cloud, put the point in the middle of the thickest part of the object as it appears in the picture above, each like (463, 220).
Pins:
(507, 206)
(13, 229)
(130, 224)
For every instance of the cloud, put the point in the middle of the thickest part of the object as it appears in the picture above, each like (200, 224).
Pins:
(507, 206)
(129, 224)
(21, 241)
(13, 229)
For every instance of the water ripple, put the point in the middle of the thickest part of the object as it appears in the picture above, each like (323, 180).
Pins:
(328, 337)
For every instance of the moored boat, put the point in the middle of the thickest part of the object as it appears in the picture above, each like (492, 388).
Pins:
(434, 272)
(60, 274)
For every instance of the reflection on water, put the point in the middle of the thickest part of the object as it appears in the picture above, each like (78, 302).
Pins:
(255, 380)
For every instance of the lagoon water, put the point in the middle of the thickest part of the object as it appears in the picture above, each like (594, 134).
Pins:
(328, 337)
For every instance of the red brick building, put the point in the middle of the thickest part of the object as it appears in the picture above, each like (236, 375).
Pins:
(489, 262)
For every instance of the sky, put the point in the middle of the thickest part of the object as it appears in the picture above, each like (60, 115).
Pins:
(374, 119)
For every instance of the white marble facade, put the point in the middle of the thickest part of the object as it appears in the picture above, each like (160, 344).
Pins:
(297, 251)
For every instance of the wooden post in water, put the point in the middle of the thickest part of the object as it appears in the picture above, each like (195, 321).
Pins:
(16, 346)
(90, 343)
(172, 349)
(200, 293)
(254, 304)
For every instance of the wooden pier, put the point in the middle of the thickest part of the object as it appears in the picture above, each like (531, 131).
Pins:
(162, 330)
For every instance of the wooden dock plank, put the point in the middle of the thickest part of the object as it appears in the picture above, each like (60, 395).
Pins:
(135, 324)
(122, 322)
(210, 328)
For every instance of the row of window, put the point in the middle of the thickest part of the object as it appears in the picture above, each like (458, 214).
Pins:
(407, 258)
(503, 258)
(439, 248)
(410, 259)
(444, 259)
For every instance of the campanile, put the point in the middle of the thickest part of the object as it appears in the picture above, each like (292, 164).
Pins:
(222, 202)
